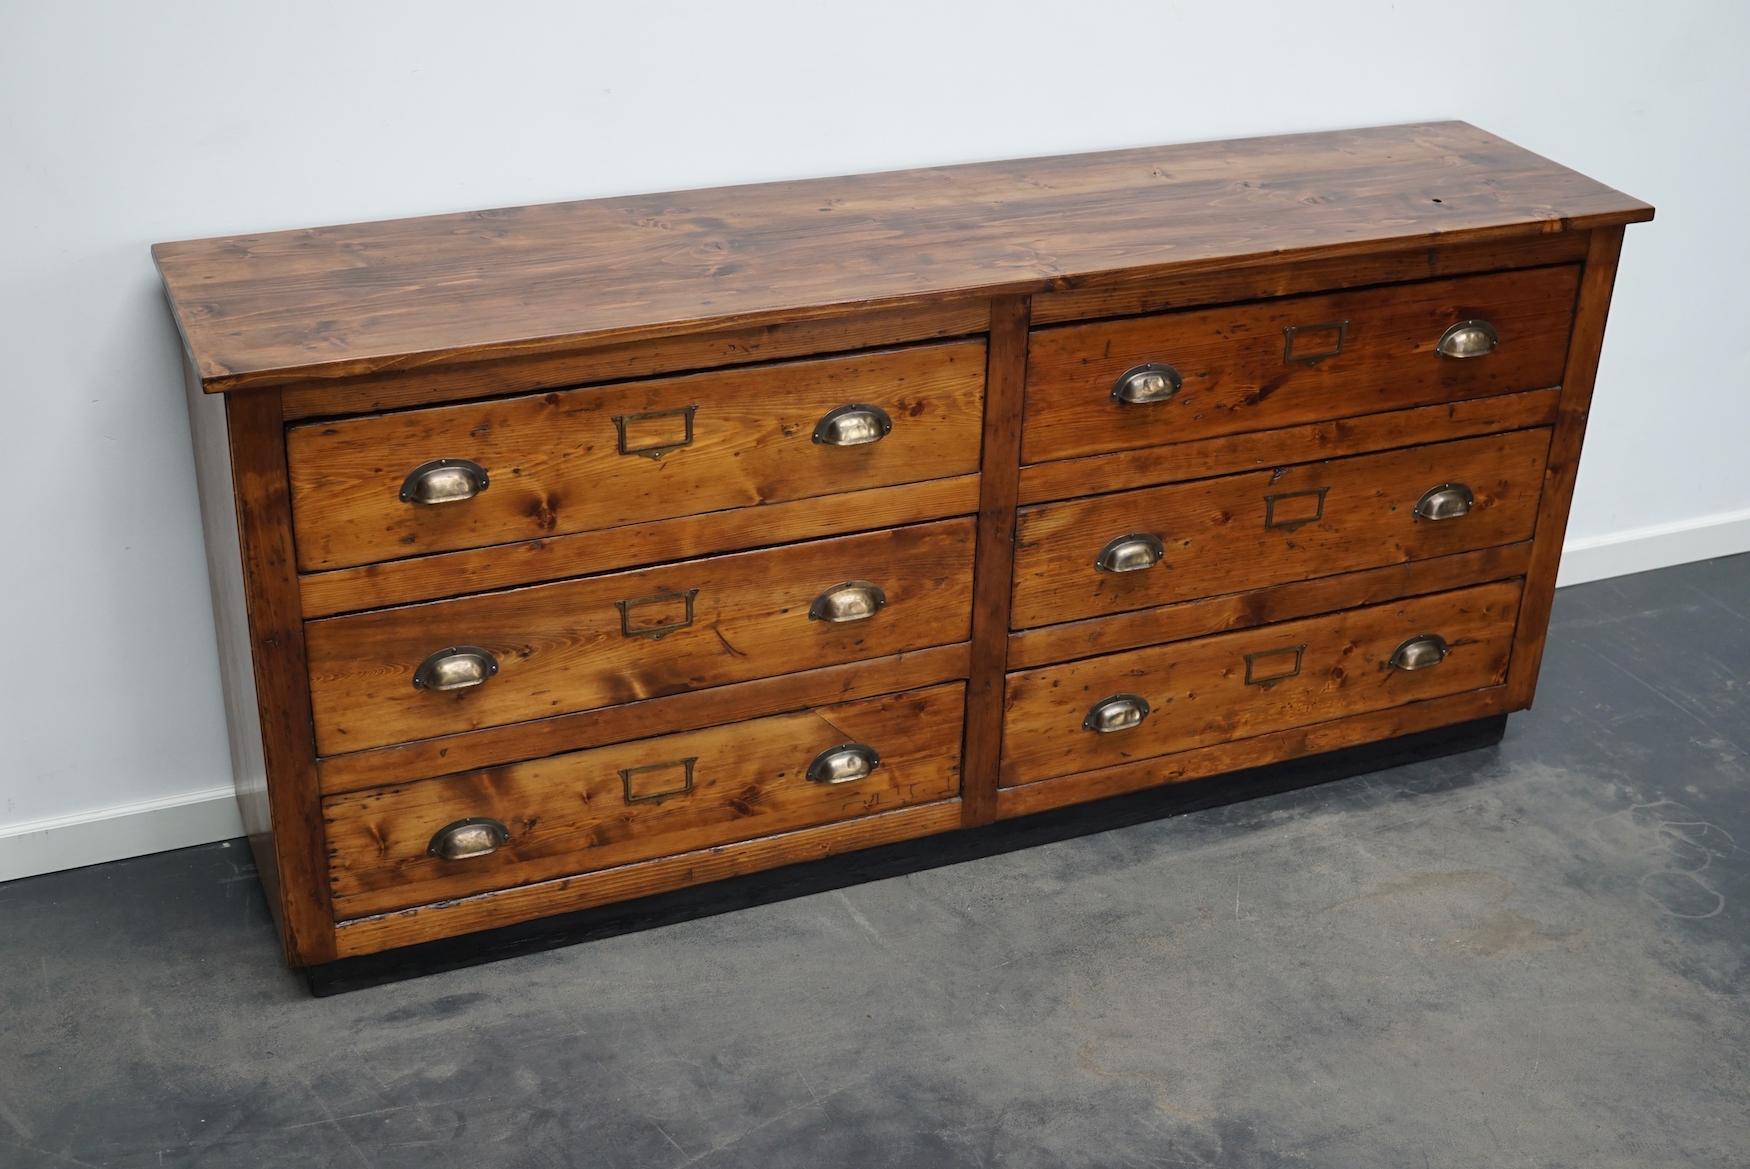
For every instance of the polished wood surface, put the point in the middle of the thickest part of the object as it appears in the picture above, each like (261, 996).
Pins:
(479, 570)
(245, 507)
(1236, 685)
(995, 557)
(1258, 449)
(1240, 374)
(1239, 754)
(614, 456)
(372, 393)
(489, 746)
(1272, 527)
(444, 919)
(651, 607)
(1563, 467)
(1252, 607)
(613, 639)
(216, 489)
(1128, 296)
(616, 805)
(413, 293)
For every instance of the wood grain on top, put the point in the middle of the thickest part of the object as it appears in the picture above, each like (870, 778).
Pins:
(342, 301)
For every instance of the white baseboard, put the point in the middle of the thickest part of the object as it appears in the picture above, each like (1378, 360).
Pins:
(200, 817)
(1655, 546)
(123, 830)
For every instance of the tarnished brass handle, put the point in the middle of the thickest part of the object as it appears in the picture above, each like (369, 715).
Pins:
(1120, 712)
(476, 836)
(846, 763)
(1448, 501)
(1144, 385)
(455, 668)
(854, 425)
(1133, 553)
(1421, 652)
(1468, 339)
(855, 600)
(444, 481)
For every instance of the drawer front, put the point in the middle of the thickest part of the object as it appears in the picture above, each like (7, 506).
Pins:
(1290, 361)
(601, 641)
(595, 809)
(587, 459)
(1138, 549)
(1235, 685)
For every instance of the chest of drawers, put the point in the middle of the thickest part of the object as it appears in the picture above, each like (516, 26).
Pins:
(567, 554)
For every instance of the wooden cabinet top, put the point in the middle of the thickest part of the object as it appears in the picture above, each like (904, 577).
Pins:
(337, 302)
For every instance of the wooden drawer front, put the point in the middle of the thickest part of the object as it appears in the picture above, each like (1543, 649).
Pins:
(602, 641)
(615, 805)
(1270, 527)
(1277, 362)
(587, 459)
(1236, 685)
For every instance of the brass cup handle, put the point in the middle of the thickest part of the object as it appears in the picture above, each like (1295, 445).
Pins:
(846, 763)
(476, 836)
(855, 600)
(857, 424)
(444, 481)
(1145, 385)
(1121, 712)
(1468, 339)
(455, 668)
(1421, 652)
(1448, 501)
(1137, 552)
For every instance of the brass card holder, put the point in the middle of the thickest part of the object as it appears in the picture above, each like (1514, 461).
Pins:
(655, 433)
(1290, 510)
(654, 782)
(1271, 666)
(1311, 344)
(674, 611)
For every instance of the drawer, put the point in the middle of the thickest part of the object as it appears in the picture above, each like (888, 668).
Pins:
(1235, 685)
(594, 809)
(378, 678)
(1290, 361)
(586, 459)
(1138, 549)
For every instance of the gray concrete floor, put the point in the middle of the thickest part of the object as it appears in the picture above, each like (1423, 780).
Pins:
(1529, 955)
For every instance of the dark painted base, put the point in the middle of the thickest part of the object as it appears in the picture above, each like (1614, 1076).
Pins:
(895, 859)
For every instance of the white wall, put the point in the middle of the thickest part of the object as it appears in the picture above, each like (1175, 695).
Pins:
(124, 123)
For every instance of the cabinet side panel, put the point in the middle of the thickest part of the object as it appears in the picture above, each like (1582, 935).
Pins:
(245, 509)
(212, 465)
(1593, 307)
